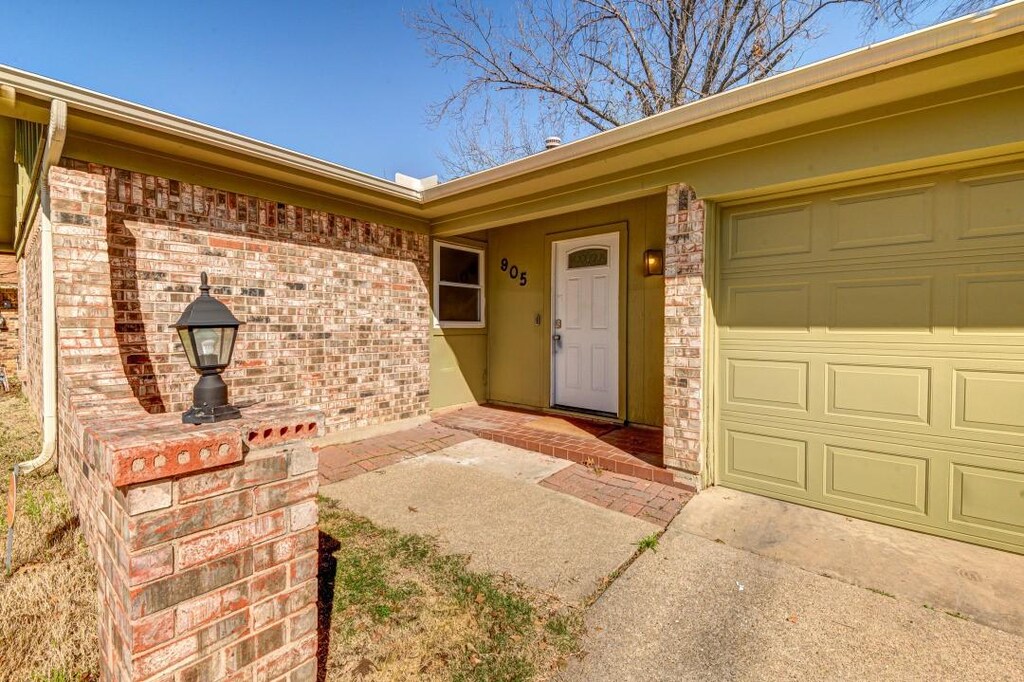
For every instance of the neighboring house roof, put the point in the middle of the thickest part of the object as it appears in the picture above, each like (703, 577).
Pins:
(983, 47)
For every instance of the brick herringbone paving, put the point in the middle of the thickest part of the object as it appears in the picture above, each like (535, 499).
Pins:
(341, 462)
(582, 441)
(647, 500)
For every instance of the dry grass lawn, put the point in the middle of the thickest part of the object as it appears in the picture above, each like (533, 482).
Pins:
(394, 608)
(48, 602)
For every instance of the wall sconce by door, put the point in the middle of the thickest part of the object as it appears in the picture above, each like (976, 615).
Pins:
(654, 262)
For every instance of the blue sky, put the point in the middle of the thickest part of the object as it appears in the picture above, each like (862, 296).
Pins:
(346, 80)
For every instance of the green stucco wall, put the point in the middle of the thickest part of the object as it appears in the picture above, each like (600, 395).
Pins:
(458, 357)
(458, 367)
(518, 348)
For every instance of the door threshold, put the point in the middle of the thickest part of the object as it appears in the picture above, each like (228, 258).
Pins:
(596, 415)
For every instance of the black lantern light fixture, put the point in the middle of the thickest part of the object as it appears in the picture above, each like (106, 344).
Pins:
(654, 262)
(208, 330)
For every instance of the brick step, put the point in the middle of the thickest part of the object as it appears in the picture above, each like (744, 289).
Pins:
(580, 451)
(513, 428)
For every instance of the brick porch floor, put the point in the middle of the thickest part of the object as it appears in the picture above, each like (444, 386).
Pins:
(646, 500)
(341, 462)
(642, 498)
(632, 451)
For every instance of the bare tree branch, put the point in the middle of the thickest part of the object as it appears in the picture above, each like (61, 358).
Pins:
(572, 67)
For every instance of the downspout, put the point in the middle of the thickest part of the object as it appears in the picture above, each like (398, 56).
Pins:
(56, 133)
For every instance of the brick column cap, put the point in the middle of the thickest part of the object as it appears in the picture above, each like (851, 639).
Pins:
(143, 448)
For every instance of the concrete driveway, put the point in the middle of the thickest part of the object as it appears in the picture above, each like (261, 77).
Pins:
(700, 609)
(981, 584)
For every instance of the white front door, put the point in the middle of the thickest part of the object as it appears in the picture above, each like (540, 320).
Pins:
(585, 333)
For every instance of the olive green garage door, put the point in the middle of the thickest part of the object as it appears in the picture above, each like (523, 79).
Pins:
(871, 352)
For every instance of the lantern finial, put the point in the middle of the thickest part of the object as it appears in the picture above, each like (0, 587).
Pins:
(204, 283)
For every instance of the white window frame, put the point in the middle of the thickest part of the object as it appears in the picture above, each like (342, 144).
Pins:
(480, 253)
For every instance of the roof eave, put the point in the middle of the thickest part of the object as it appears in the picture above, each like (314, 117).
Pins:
(988, 25)
(105, 114)
(84, 101)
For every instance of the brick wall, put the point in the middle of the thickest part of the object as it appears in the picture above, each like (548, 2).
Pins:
(684, 320)
(9, 339)
(337, 310)
(30, 359)
(205, 537)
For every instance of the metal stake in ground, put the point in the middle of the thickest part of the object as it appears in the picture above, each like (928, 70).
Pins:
(12, 498)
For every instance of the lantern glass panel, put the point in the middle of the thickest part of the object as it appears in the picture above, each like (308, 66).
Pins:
(208, 346)
(227, 345)
(654, 262)
(186, 341)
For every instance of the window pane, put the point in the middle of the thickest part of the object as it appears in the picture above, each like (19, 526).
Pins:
(462, 267)
(588, 258)
(458, 304)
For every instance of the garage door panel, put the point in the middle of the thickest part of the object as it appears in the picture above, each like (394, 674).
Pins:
(769, 460)
(882, 393)
(886, 480)
(989, 401)
(765, 383)
(881, 305)
(885, 391)
(991, 206)
(851, 474)
(889, 436)
(990, 303)
(880, 372)
(987, 497)
(783, 307)
(902, 216)
(778, 231)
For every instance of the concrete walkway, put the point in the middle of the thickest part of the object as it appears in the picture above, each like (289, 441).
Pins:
(482, 499)
(699, 609)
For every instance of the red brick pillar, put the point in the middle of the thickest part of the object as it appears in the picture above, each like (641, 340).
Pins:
(684, 325)
(222, 564)
(205, 538)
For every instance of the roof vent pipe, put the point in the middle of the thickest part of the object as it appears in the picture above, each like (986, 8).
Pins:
(552, 142)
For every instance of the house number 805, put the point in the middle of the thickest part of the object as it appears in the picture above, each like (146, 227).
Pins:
(513, 272)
